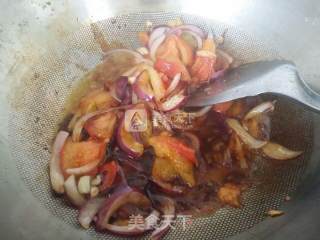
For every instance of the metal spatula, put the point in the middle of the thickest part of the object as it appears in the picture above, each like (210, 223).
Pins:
(276, 76)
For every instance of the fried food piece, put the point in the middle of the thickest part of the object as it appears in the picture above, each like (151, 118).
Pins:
(229, 194)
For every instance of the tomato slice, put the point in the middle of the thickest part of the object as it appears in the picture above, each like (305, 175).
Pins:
(77, 154)
(177, 146)
(95, 100)
(181, 157)
(172, 56)
(185, 151)
(172, 68)
(202, 69)
(168, 50)
(164, 78)
(186, 52)
(109, 172)
(163, 169)
(102, 126)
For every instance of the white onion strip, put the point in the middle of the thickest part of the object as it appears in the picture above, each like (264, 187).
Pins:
(72, 192)
(142, 50)
(56, 175)
(279, 152)
(113, 203)
(73, 120)
(173, 102)
(89, 210)
(156, 33)
(261, 108)
(174, 83)
(155, 45)
(244, 135)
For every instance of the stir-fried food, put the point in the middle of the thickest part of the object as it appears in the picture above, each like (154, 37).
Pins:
(133, 149)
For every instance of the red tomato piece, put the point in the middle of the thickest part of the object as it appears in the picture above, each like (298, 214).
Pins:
(77, 154)
(182, 149)
(109, 172)
(102, 126)
(168, 50)
(186, 52)
(172, 68)
(177, 146)
(202, 69)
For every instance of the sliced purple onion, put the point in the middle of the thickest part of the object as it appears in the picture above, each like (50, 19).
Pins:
(136, 165)
(174, 83)
(192, 28)
(120, 87)
(128, 96)
(142, 88)
(122, 196)
(76, 134)
(167, 207)
(127, 142)
(156, 33)
(56, 175)
(218, 74)
(168, 187)
(123, 180)
(174, 102)
(155, 45)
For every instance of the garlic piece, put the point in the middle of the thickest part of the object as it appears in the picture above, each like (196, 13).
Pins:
(84, 186)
